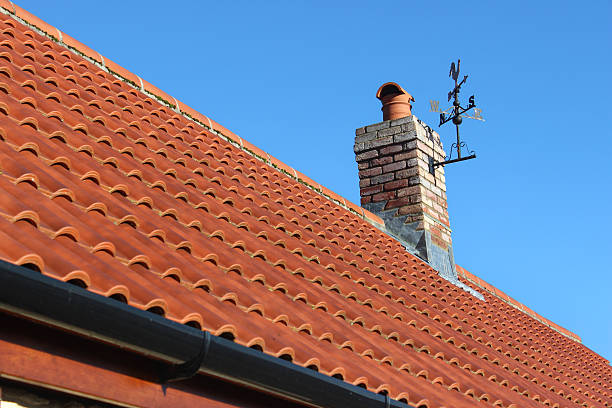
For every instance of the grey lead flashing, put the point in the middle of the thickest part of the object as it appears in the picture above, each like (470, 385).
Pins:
(469, 290)
(419, 244)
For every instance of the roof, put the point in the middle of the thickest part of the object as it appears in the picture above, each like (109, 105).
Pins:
(111, 184)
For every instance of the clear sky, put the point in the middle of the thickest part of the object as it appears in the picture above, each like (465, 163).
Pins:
(531, 215)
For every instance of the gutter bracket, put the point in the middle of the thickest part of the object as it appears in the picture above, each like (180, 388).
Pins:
(387, 401)
(189, 368)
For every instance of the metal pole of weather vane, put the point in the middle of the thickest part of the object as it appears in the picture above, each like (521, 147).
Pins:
(455, 114)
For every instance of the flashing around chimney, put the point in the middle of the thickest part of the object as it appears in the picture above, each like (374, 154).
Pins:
(393, 160)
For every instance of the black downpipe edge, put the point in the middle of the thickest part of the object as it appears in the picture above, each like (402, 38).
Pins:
(189, 368)
(31, 295)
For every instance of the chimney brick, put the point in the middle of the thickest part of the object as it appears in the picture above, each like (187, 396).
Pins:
(391, 167)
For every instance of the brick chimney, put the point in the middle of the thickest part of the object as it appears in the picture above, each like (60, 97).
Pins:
(396, 183)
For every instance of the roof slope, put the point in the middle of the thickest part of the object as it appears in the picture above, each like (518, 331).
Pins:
(105, 187)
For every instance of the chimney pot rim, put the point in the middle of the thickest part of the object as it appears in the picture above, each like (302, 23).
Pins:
(395, 85)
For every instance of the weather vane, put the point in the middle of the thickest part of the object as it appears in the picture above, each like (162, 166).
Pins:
(455, 113)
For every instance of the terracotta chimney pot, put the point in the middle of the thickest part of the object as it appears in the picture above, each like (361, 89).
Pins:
(395, 101)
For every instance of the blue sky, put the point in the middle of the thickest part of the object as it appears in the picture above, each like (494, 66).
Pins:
(531, 214)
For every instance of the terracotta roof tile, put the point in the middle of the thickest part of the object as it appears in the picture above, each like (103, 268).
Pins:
(107, 187)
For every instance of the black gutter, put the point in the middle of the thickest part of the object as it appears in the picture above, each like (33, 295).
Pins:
(28, 294)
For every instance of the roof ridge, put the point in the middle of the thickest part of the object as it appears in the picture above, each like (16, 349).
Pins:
(23, 16)
(492, 290)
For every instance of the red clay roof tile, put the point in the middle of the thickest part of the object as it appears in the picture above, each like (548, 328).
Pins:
(106, 187)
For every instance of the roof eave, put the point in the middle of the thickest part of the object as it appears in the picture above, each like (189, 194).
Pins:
(187, 351)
